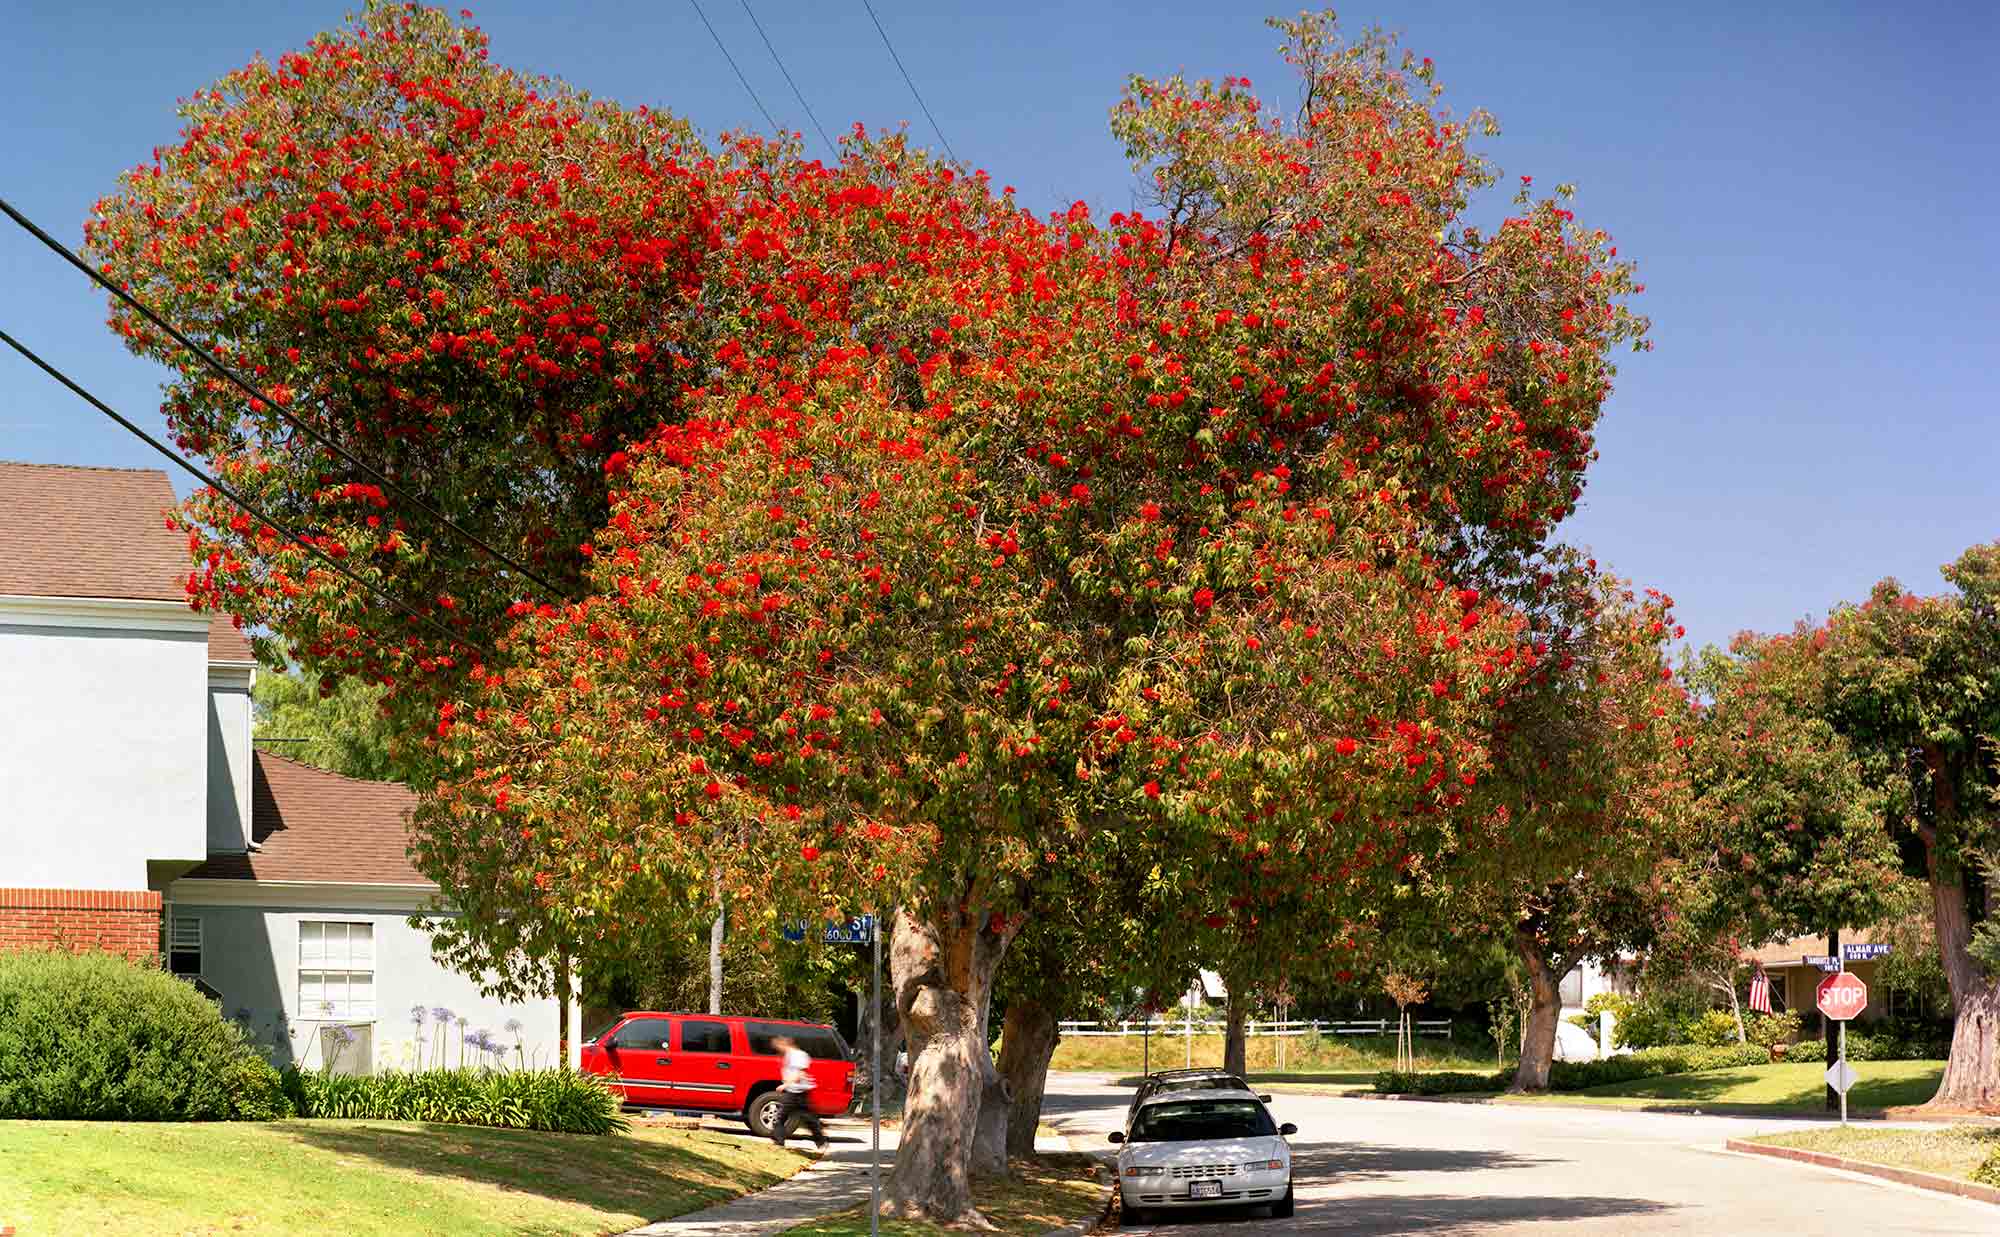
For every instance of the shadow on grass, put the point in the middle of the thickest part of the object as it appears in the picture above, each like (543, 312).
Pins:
(651, 1174)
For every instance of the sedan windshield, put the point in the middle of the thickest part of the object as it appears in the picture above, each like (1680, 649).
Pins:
(1202, 1120)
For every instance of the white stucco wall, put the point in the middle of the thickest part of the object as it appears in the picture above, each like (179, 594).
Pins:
(228, 759)
(103, 743)
(250, 954)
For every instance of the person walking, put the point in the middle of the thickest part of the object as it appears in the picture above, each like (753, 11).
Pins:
(795, 1089)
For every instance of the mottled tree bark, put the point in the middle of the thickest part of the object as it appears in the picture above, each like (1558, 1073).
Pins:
(1027, 1045)
(1972, 1072)
(1538, 1039)
(1235, 1045)
(942, 967)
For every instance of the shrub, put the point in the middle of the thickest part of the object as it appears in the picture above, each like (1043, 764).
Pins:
(1988, 1172)
(1769, 1030)
(1652, 1063)
(93, 1036)
(1807, 1050)
(1655, 1020)
(1711, 1029)
(1394, 1082)
(554, 1100)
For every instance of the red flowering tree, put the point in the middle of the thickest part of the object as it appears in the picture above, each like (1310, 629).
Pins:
(907, 539)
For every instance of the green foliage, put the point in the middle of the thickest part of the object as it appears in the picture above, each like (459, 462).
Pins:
(1807, 1050)
(1657, 1018)
(1711, 1029)
(344, 729)
(558, 1101)
(1767, 1031)
(1893, 1042)
(1988, 1172)
(1652, 1063)
(92, 1036)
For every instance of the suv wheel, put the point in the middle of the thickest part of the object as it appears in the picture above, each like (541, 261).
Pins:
(762, 1114)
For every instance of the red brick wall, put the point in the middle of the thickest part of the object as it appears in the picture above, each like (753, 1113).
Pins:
(119, 921)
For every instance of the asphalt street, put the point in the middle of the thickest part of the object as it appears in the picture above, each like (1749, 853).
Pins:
(1370, 1166)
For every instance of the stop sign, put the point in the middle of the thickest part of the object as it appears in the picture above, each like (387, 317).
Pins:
(1842, 995)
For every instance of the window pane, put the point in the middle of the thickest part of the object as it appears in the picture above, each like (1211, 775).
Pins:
(704, 1036)
(361, 943)
(312, 990)
(643, 1033)
(312, 942)
(187, 932)
(360, 994)
(336, 944)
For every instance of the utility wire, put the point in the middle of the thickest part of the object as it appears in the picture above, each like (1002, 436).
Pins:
(908, 81)
(232, 495)
(554, 593)
(719, 46)
(796, 92)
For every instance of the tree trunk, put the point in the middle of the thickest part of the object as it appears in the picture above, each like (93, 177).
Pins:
(1027, 1045)
(1235, 1046)
(942, 966)
(1538, 1040)
(1726, 982)
(1972, 1073)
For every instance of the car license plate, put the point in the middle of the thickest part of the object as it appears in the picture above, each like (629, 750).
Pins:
(1204, 1189)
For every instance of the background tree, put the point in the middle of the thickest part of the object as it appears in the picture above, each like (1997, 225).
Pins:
(1912, 683)
(342, 730)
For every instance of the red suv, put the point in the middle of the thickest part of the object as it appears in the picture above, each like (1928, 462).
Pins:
(717, 1063)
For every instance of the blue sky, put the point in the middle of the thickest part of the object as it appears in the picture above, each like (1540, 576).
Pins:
(1809, 189)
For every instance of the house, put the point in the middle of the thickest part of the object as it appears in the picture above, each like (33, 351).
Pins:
(136, 815)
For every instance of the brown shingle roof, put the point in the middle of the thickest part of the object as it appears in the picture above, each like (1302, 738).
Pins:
(226, 643)
(312, 825)
(88, 532)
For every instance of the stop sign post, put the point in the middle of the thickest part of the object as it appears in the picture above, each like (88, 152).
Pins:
(1842, 996)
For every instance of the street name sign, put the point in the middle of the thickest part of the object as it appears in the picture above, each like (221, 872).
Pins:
(859, 930)
(1841, 1077)
(1825, 962)
(1863, 953)
(1842, 996)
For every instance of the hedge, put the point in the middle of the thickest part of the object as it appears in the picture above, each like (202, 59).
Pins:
(553, 1100)
(92, 1036)
(1578, 1075)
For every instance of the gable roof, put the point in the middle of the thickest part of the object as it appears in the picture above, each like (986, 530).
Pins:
(89, 532)
(311, 825)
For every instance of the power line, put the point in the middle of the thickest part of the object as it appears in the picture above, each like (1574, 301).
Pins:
(232, 495)
(775, 126)
(907, 80)
(796, 92)
(553, 592)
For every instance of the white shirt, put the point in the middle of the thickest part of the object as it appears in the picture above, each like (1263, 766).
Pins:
(797, 1069)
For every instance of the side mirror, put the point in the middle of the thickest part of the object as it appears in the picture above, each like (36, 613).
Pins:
(1116, 1136)
(1288, 1129)
(1265, 1098)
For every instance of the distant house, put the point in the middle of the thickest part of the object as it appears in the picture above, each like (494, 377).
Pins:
(1794, 982)
(136, 816)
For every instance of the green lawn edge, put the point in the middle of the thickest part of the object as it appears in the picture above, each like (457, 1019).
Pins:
(1952, 1151)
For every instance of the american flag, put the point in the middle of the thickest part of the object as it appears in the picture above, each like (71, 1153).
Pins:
(1760, 992)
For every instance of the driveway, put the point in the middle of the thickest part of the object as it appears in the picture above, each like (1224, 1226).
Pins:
(1369, 1166)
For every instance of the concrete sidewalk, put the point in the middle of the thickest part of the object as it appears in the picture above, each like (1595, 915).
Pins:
(837, 1181)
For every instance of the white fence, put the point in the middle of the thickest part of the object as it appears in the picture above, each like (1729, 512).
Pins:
(1440, 1027)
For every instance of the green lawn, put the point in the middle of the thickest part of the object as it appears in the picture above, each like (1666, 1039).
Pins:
(1949, 1150)
(1046, 1192)
(360, 1178)
(1303, 1061)
(1763, 1088)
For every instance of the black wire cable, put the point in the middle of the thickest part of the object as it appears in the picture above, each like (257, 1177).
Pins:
(553, 593)
(908, 81)
(796, 92)
(775, 126)
(244, 503)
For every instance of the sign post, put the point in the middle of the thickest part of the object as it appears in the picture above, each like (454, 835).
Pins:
(1841, 996)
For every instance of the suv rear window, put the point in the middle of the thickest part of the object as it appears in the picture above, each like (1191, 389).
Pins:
(819, 1043)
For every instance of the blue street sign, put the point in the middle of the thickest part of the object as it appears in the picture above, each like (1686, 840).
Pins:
(1863, 952)
(1825, 962)
(859, 930)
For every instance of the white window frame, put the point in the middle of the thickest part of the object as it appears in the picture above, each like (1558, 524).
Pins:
(320, 971)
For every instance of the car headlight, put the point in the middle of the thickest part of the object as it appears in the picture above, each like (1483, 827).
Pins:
(1264, 1166)
(1144, 1170)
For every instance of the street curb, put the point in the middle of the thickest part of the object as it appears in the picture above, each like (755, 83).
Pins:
(1504, 1100)
(1901, 1176)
